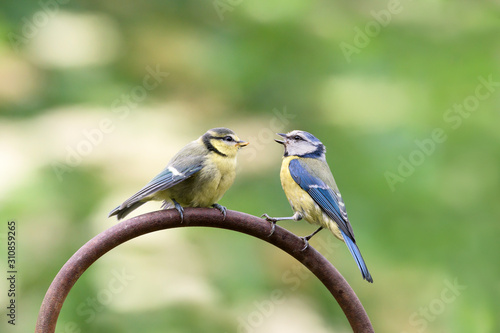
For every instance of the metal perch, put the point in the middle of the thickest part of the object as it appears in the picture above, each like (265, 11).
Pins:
(198, 217)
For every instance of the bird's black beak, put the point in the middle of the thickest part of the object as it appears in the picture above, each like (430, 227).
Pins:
(281, 141)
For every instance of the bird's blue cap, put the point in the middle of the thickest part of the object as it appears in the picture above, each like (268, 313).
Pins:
(311, 137)
(308, 135)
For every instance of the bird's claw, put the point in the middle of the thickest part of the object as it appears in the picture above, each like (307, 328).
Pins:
(222, 209)
(307, 238)
(180, 210)
(306, 244)
(181, 213)
(273, 227)
(271, 220)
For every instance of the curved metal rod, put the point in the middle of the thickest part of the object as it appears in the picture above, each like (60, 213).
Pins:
(198, 217)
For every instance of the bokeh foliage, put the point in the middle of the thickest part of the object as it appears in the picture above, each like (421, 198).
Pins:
(257, 67)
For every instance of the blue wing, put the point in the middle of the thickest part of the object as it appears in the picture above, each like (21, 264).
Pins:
(332, 204)
(164, 180)
(170, 176)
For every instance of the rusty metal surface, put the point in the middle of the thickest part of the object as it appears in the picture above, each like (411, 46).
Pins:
(198, 217)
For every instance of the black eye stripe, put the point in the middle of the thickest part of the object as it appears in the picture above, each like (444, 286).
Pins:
(210, 147)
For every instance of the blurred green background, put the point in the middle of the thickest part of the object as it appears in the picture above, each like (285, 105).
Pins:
(97, 96)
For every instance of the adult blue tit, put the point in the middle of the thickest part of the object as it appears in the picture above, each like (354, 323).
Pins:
(197, 176)
(311, 190)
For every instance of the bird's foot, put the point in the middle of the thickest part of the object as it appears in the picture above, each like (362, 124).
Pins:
(179, 209)
(307, 238)
(271, 220)
(306, 243)
(222, 209)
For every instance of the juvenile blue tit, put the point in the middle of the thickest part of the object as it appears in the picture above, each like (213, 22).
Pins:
(197, 176)
(311, 190)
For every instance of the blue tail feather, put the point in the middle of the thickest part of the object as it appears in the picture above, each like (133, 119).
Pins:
(122, 212)
(353, 248)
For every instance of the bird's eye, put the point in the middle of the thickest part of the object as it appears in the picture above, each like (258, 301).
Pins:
(297, 138)
(228, 138)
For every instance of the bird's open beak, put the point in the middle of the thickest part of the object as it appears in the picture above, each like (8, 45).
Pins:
(242, 143)
(281, 141)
